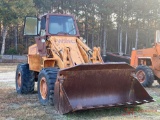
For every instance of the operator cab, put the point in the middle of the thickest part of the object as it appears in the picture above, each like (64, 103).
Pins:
(51, 24)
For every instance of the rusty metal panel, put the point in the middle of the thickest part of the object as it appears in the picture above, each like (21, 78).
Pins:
(98, 85)
(34, 62)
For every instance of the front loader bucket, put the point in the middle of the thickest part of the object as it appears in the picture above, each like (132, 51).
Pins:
(90, 86)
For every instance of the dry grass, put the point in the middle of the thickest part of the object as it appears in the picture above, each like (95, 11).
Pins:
(27, 107)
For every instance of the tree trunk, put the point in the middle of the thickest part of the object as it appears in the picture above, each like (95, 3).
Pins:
(100, 32)
(62, 7)
(118, 36)
(104, 41)
(86, 26)
(4, 34)
(15, 36)
(98, 39)
(120, 46)
(0, 29)
(126, 42)
(136, 39)
(26, 42)
(92, 40)
(129, 48)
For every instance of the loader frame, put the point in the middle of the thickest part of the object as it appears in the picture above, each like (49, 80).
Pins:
(72, 76)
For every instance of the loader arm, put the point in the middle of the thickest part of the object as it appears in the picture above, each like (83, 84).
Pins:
(71, 51)
(96, 54)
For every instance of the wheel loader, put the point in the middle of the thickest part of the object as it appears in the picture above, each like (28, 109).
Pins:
(147, 63)
(69, 74)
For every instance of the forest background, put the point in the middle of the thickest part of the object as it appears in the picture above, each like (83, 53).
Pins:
(114, 25)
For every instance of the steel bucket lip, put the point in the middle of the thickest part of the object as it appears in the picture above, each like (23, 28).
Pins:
(117, 105)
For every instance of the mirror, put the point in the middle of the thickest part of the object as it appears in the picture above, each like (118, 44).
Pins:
(31, 26)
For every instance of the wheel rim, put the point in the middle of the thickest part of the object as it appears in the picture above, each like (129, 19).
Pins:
(19, 80)
(141, 76)
(43, 88)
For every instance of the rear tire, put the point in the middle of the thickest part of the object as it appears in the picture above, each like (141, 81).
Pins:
(25, 79)
(145, 75)
(46, 80)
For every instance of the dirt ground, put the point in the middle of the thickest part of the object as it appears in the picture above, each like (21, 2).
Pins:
(26, 107)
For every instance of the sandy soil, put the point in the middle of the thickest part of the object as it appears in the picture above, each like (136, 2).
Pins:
(26, 107)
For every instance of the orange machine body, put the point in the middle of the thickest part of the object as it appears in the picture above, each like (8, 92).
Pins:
(148, 57)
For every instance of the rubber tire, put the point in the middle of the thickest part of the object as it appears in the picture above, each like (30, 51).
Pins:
(50, 75)
(27, 79)
(148, 74)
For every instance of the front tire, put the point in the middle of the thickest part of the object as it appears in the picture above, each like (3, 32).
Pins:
(145, 75)
(24, 79)
(46, 80)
